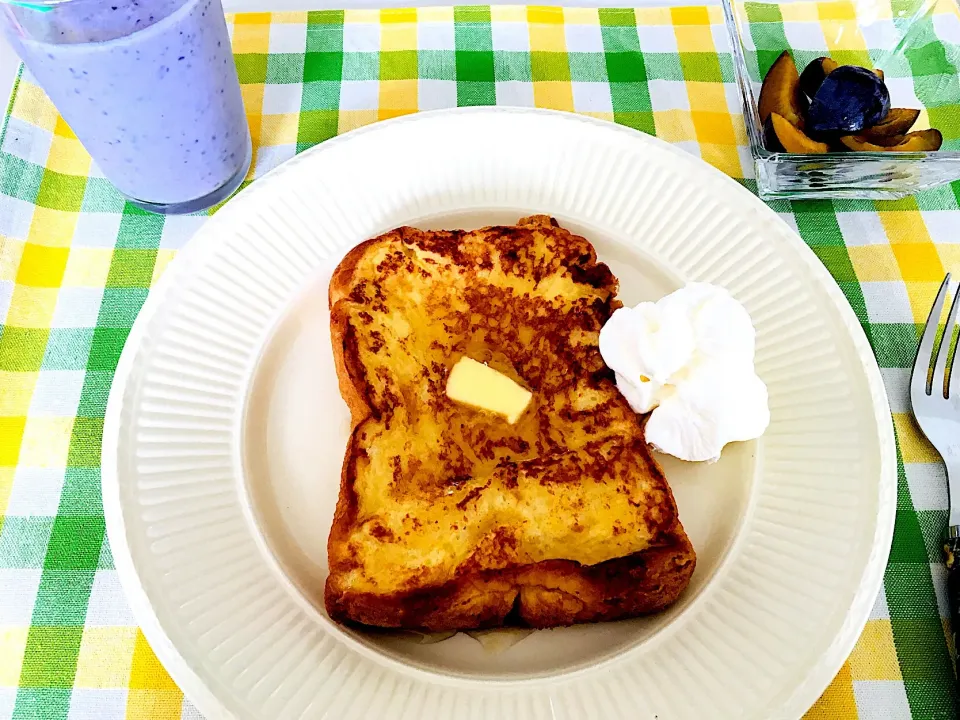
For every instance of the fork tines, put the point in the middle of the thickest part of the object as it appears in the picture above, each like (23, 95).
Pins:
(923, 381)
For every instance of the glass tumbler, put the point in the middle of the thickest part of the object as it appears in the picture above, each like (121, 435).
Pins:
(148, 86)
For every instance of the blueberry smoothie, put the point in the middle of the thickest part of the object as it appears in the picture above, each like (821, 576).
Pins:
(150, 89)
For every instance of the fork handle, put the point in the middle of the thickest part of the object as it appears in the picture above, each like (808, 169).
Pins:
(951, 552)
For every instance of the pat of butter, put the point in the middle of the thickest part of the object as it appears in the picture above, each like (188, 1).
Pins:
(480, 386)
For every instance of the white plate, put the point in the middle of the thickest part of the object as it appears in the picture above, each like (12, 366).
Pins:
(225, 434)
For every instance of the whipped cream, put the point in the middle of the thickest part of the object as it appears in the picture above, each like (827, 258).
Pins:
(688, 358)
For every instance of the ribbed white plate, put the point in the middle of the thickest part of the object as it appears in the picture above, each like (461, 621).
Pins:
(225, 433)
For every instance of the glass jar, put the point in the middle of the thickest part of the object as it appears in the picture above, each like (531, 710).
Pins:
(903, 38)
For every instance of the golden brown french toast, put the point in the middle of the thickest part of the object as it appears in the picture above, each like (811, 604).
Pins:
(451, 518)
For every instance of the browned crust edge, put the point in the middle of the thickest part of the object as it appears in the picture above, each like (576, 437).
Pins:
(555, 593)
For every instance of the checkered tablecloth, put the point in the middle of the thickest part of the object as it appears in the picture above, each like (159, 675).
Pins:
(76, 264)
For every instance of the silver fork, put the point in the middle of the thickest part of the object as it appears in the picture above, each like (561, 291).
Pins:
(937, 410)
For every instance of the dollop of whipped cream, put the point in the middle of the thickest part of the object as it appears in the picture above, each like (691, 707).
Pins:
(688, 358)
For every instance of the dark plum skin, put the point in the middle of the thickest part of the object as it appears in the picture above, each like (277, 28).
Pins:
(814, 74)
(770, 140)
(850, 99)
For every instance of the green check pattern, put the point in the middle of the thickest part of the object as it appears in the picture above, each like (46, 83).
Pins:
(77, 263)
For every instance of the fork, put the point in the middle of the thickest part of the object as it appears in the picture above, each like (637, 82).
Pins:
(937, 411)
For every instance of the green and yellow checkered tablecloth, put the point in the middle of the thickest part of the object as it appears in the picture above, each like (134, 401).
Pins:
(76, 264)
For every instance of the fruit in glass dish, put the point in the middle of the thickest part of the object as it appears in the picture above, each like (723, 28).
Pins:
(830, 107)
(781, 92)
(920, 141)
(850, 99)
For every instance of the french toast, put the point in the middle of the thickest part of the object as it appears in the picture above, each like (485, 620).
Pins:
(451, 518)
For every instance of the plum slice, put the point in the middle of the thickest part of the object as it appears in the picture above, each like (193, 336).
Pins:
(897, 122)
(793, 139)
(920, 141)
(780, 92)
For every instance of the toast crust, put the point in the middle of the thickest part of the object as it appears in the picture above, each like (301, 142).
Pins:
(450, 519)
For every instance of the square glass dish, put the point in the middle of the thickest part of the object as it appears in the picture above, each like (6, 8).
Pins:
(916, 43)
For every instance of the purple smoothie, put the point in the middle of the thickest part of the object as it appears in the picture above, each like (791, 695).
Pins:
(150, 89)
